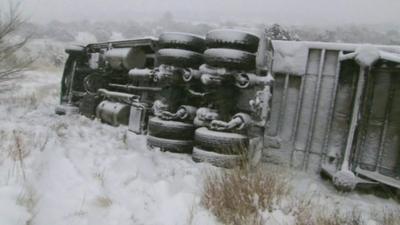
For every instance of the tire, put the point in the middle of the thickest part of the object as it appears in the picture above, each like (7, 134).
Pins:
(230, 59)
(185, 41)
(221, 142)
(170, 129)
(215, 159)
(179, 58)
(170, 145)
(94, 82)
(88, 105)
(233, 39)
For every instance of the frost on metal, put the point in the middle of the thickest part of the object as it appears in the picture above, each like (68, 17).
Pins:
(290, 57)
(367, 55)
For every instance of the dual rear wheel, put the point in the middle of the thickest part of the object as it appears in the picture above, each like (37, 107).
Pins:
(172, 136)
(220, 149)
(230, 49)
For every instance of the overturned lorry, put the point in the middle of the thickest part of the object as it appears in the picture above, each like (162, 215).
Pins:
(324, 107)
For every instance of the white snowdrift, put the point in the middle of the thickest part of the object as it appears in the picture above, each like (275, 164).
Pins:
(84, 172)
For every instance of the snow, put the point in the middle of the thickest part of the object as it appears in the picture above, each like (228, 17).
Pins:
(206, 131)
(10, 211)
(345, 179)
(115, 36)
(85, 38)
(225, 53)
(231, 34)
(45, 52)
(291, 56)
(367, 55)
(277, 217)
(181, 35)
(79, 178)
(73, 170)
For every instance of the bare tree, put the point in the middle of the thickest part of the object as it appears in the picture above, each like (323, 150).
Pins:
(10, 21)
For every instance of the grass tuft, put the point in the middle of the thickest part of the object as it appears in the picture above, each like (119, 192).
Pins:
(307, 213)
(238, 196)
(103, 201)
(390, 217)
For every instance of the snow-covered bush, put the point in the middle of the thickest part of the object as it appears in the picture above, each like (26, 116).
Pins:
(46, 53)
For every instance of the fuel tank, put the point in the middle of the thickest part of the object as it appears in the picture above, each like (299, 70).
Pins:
(113, 113)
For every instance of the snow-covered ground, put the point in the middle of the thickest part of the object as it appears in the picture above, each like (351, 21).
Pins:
(71, 170)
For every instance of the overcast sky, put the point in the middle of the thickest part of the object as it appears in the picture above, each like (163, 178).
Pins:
(265, 11)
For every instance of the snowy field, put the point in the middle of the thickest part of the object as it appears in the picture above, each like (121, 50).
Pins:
(64, 170)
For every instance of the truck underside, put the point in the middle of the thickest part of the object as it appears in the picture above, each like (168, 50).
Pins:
(233, 96)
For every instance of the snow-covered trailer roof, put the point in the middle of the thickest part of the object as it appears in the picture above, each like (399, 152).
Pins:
(291, 56)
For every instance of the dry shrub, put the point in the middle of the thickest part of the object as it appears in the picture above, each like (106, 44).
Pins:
(391, 217)
(309, 214)
(100, 177)
(306, 213)
(29, 199)
(18, 145)
(337, 218)
(29, 101)
(104, 201)
(18, 151)
(60, 128)
(190, 218)
(238, 196)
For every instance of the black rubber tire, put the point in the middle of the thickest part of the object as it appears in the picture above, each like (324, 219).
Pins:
(170, 145)
(233, 39)
(215, 159)
(185, 41)
(94, 82)
(170, 129)
(179, 58)
(230, 59)
(88, 105)
(221, 142)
